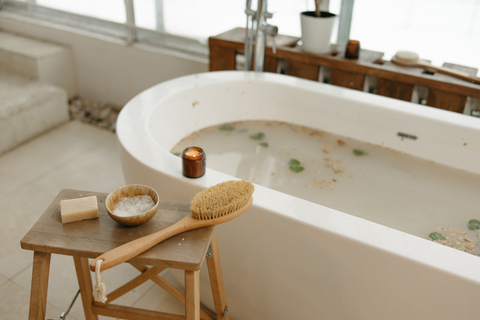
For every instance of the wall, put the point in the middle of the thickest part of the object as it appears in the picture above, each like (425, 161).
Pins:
(106, 70)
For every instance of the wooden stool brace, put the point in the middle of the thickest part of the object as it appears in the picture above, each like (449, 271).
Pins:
(90, 238)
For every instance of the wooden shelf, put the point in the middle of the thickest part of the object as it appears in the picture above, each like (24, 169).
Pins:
(393, 81)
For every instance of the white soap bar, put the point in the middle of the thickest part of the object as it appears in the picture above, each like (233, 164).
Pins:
(79, 209)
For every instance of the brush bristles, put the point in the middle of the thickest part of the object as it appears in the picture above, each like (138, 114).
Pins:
(221, 199)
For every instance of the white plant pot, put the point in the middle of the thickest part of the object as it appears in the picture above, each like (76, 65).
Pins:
(317, 31)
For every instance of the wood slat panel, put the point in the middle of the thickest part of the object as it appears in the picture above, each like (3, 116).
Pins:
(446, 101)
(221, 58)
(270, 64)
(392, 89)
(303, 70)
(413, 76)
(347, 79)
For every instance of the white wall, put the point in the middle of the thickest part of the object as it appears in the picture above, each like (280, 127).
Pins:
(108, 71)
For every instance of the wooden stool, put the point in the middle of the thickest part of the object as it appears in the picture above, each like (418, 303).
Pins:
(90, 238)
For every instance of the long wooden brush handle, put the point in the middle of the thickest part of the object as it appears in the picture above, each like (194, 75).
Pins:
(452, 72)
(133, 248)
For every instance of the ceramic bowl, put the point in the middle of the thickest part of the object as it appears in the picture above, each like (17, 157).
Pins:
(128, 191)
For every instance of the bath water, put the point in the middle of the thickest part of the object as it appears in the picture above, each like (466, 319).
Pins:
(368, 181)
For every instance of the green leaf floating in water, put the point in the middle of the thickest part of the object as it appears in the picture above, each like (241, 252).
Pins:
(297, 168)
(435, 236)
(295, 165)
(294, 162)
(178, 154)
(474, 224)
(227, 127)
(264, 144)
(358, 152)
(258, 136)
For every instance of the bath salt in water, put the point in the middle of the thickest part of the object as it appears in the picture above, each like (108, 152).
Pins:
(133, 206)
(388, 187)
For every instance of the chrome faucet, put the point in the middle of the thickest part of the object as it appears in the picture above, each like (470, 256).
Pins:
(256, 31)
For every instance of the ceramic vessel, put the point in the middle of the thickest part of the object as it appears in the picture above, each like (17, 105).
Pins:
(317, 31)
(131, 191)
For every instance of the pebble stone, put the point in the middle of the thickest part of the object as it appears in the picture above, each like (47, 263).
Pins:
(99, 114)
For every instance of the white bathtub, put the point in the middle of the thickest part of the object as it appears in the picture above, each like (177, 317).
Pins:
(286, 258)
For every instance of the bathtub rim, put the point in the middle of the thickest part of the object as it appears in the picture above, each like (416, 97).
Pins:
(302, 211)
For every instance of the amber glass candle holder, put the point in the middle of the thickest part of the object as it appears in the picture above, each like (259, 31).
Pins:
(193, 161)
(352, 51)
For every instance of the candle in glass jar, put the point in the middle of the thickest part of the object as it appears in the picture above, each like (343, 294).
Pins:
(193, 160)
(352, 51)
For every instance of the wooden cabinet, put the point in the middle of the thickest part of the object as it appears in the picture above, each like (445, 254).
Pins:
(367, 73)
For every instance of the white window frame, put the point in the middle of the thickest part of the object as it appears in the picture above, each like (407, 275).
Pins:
(130, 34)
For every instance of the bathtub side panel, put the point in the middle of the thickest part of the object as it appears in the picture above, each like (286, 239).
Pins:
(277, 268)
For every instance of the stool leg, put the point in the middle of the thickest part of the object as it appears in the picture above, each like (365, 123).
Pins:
(192, 295)
(86, 287)
(216, 279)
(39, 289)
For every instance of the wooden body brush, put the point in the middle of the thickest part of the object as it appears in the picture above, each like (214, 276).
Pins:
(215, 205)
(411, 59)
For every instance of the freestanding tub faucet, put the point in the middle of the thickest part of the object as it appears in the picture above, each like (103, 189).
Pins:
(257, 30)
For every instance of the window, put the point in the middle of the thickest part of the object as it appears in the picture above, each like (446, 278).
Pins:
(190, 18)
(111, 10)
(438, 30)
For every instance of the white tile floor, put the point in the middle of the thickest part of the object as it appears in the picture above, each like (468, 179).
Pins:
(72, 156)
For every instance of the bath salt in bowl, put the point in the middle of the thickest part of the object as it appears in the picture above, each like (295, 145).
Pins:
(132, 205)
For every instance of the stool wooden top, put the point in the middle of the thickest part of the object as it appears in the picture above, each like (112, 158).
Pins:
(91, 238)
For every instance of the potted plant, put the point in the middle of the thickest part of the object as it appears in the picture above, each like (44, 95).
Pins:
(317, 27)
